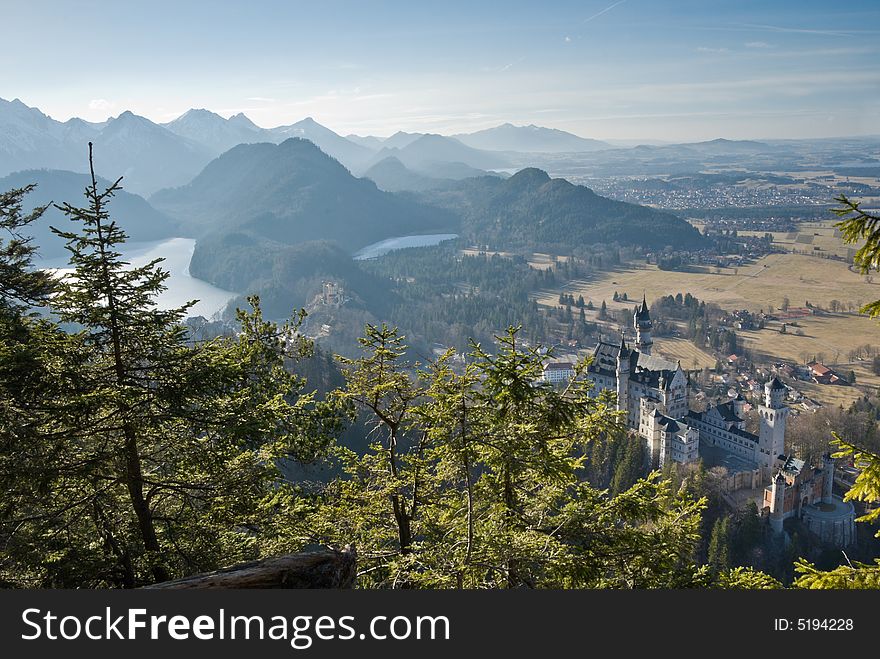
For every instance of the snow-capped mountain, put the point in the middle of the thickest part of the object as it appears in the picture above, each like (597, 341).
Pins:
(216, 133)
(146, 154)
(348, 153)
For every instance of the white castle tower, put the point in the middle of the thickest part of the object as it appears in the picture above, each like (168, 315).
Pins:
(642, 323)
(828, 483)
(623, 377)
(771, 438)
(777, 502)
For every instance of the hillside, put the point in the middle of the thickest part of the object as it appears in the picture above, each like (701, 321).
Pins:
(292, 193)
(529, 139)
(285, 276)
(349, 153)
(132, 213)
(532, 210)
(427, 150)
(392, 175)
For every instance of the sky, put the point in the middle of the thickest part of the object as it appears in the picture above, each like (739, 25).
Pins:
(608, 69)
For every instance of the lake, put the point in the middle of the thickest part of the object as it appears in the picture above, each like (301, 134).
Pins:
(401, 242)
(182, 287)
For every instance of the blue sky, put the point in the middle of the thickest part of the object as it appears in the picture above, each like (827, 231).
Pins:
(631, 69)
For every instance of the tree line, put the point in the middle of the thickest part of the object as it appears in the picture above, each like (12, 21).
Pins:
(132, 454)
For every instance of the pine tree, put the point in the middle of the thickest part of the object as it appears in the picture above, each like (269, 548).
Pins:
(630, 466)
(492, 460)
(160, 455)
(719, 545)
(856, 227)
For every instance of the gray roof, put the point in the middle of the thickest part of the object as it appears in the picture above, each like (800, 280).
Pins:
(646, 369)
(642, 310)
(775, 384)
(733, 430)
(793, 465)
(559, 366)
(728, 412)
(654, 363)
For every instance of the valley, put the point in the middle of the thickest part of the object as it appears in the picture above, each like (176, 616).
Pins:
(521, 297)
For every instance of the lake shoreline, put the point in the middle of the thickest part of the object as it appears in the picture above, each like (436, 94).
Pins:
(182, 287)
(382, 247)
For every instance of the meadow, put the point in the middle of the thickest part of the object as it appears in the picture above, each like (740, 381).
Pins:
(766, 284)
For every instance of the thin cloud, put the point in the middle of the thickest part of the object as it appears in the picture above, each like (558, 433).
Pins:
(101, 104)
(508, 66)
(758, 44)
(797, 30)
(260, 99)
(707, 49)
(604, 11)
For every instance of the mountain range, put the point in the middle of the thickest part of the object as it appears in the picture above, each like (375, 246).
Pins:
(531, 210)
(529, 139)
(277, 219)
(153, 156)
(148, 155)
(425, 151)
(293, 192)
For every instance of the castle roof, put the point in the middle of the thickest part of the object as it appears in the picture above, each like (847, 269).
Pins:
(647, 369)
(733, 430)
(793, 465)
(728, 412)
(671, 424)
(642, 312)
(775, 385)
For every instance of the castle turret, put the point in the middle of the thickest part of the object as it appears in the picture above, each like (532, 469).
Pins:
(828, 483)
(774, 394)
(623, 376)
(643, 325)
(777, 502)
(774, 413)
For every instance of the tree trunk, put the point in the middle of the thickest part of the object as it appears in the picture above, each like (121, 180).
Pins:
(321, 569)
(134, 481)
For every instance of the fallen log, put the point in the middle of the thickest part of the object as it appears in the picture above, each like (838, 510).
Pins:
(320, 569)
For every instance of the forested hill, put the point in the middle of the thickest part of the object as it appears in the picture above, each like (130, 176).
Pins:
(285, 276)
(291, 193)
(531, 210)
(140, 221)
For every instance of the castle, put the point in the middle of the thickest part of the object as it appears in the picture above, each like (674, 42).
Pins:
(653, 392)
(805, 492)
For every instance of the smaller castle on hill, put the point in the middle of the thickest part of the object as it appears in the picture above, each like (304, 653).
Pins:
(332, 294)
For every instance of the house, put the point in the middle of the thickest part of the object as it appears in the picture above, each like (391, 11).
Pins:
(821, 374)
(558, 372)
